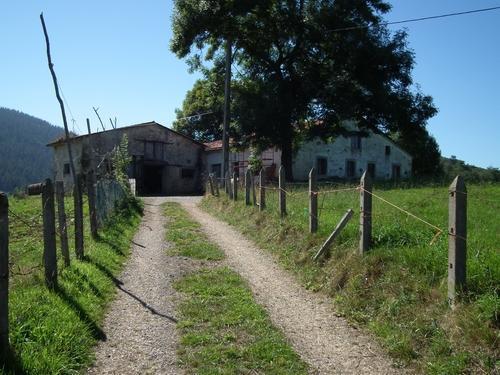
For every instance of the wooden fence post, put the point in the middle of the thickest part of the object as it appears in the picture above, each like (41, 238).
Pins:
(365, 213)
(77, 198)
(457, 238)
(248, 186)
(211, 184)
(49, 234)
(313, 201)
(92, 203)
(262, 191)
(4, 275)
(282, 193)
(235, 186)
(63, 229)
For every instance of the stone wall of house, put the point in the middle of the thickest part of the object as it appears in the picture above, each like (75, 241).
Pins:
(349, 156)
(271, 160)
(179, 159)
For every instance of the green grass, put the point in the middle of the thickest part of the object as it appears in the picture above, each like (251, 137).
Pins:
(223, 330)
(398, 290)
(53, 332)
(187, 237)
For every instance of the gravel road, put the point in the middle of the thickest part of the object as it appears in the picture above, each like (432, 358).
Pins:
(140, 326)
(325, 341)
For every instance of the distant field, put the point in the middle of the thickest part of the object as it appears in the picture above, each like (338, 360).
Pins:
(399, 289)
(54, 332)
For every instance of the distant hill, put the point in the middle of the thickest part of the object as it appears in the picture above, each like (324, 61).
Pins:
(452, 167)
(24, 157)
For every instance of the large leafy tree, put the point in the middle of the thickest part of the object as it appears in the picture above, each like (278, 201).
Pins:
(306, 66)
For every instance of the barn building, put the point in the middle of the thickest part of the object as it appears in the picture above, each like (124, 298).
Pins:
(163, 161)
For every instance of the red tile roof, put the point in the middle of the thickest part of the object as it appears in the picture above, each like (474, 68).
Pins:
(213, 146)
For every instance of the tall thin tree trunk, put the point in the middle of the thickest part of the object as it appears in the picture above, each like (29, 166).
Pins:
(287, 158)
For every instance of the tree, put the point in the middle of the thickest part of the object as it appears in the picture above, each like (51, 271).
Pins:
(202, 110)
(306, 66)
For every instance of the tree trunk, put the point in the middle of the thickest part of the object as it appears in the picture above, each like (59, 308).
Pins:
(287, 158)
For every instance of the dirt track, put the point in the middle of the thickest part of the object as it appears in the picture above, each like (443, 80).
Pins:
(140, 326)
(326, 342)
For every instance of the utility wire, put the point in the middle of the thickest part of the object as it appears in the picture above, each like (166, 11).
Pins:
(197, 116)
(419, 19)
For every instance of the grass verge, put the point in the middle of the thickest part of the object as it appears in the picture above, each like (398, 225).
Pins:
(187, 237)
(223, 330)
(53, 332)
(397, 290)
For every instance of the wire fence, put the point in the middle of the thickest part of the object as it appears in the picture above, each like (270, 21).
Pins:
(433, 217)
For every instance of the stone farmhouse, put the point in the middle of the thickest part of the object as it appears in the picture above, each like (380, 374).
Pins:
(163, 161)
(347, 157)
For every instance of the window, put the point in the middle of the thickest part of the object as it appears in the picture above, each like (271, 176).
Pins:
(149, 150)
(322, 166)
(187, 173)
(356, 143)
(387, 150)
(215, 169)
(66, 169)
(396, 171)
(350, 169)
(371, 169)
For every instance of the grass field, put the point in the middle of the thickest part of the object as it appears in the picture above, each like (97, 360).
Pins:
(398, 290)
(223, 330)
(53, 332)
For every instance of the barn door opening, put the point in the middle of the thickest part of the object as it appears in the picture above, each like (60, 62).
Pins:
(152, 180)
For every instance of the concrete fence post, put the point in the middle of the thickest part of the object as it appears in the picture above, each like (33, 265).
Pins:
(235, 186)
(4, 275)
(91, 191)
(262, 191)
(282, 193)
(248, 186)
(62, 228)
(457, 238)
(49, 234)
(77, 197)
(313, 202)
(365, 213)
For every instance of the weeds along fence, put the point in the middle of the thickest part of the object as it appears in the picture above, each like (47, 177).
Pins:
(23, 232)
(255, 192)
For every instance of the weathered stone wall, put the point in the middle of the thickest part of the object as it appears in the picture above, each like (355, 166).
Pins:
(337, 153)
(150, 144)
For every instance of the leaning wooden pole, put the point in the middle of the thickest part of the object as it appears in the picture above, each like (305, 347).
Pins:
(4, 275)
(59, 99)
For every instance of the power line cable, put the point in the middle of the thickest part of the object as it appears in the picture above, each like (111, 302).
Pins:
(419, 19)
(198, 116)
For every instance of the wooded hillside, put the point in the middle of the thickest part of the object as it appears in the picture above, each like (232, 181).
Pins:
(24, 157)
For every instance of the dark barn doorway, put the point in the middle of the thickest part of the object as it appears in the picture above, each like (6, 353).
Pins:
(152, 180)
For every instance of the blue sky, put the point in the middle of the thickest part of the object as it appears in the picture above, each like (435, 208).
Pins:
(114, 55)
